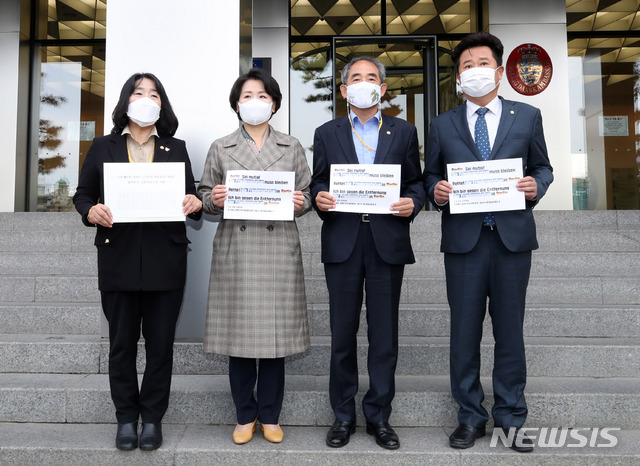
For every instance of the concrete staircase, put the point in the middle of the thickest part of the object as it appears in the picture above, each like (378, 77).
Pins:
(583, 351)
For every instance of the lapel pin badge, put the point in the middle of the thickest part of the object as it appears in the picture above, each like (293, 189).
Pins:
(161, 147)
(167, 149)
(388, 132)
(512, 112)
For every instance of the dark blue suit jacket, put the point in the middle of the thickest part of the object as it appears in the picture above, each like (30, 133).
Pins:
(149, 256)
(519, 135)
(397, 144)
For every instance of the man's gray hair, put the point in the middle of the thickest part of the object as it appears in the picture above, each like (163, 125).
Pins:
(382, 72)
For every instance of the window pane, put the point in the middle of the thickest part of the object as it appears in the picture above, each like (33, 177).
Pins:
(605, 129)
(310, 92)
(450, 95)
(70, 109)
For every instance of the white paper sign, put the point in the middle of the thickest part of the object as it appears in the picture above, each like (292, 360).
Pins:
(259, 195)
(144, 192)
(613, 125)
(485, 186)
(365, 188)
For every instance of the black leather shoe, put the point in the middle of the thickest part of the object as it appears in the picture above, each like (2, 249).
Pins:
(151, 436)
(385, 436)
(521, 442)
(339, 433)
(465, 436)
(127, 436)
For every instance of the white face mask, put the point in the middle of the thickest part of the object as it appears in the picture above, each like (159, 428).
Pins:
(478, 81)
(363, 94)
(255, 111)
(143, 111)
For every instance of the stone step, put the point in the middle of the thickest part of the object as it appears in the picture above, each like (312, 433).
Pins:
(206, 444)
(540, 321)
(38, 263)
(415, 320)
(49, 289)
(195, 444)
(548, 264)
(588, 240)
(44, 318)
(44, 231)
(426, 227)
(419, 402)
(429, 264)
(542, 291)
(561, 220)
(556, 291)
(546, 356)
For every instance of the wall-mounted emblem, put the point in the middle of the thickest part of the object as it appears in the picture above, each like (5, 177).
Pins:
(529, 69)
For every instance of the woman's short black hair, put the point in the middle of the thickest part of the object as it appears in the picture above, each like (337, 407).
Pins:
(478, 39)
(270, 86)
(166, 125)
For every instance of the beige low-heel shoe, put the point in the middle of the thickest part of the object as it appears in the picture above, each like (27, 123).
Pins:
(241, 437)
(274, 436)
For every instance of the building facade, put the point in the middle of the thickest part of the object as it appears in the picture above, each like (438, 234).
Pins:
(64, 62)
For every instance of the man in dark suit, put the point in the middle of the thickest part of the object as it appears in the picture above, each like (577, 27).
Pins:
(365, 250)
(487, 255)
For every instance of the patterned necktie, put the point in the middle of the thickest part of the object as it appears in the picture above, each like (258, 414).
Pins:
(484, 147)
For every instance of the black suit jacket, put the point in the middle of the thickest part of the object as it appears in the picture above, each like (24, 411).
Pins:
(397, 144)
(519, 135)
(148, 256)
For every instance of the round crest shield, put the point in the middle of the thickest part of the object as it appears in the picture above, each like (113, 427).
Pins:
(529, 69)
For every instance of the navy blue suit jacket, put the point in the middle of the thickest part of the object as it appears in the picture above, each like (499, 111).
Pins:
(149, 256)
(397, 144)
(519, 135)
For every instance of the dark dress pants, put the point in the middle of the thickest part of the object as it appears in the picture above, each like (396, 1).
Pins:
(269, 373)
(488, 271)
(157, 313)
(382, 284)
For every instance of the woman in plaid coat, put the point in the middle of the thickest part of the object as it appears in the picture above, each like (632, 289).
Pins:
(257, 309)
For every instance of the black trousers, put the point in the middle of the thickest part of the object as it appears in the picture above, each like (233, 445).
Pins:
(269, 373)
(490, 271)
(382, 283)
(157, 313)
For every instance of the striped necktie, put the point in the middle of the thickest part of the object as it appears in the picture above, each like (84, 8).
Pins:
(484, 147)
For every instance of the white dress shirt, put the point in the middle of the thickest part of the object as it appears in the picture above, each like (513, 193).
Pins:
(492, 117)
(365, 134)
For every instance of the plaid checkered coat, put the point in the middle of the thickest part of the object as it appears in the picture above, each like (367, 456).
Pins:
(257, 306)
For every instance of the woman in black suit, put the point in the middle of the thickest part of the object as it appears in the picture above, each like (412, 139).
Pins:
(141, 266)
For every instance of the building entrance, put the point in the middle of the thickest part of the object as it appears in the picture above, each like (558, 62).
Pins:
(412, 82)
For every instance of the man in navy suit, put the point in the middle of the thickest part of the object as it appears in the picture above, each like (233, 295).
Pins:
(365, 250)
(487, 255)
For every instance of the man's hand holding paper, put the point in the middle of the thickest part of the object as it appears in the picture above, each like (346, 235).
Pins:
(365, 188)
(486, 186)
